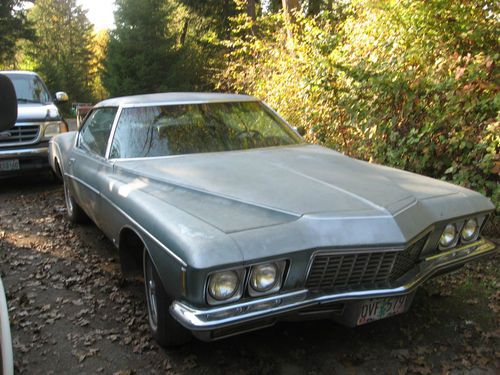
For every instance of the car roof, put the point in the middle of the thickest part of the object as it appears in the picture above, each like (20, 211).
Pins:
(24, 72)
(173, 98)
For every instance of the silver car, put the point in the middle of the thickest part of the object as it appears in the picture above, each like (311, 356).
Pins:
(24, 147)
(236, 223)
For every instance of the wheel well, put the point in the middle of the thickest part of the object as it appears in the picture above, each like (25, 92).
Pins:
(130, 250)
(57, 167)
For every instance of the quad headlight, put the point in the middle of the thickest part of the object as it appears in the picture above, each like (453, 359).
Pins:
(448, 236)
(253, 281)
(265, 278)
(470, 230)
(222, 286)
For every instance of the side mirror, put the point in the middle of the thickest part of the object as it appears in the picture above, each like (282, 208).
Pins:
(61, 97)
(8, 104)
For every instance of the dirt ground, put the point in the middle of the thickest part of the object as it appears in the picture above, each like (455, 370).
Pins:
(72, 313)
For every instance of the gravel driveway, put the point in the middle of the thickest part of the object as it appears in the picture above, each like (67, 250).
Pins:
(71, 312)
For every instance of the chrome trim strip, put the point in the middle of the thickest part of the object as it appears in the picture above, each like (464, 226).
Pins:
(83, 183)
(158, 242)
(214, 318)
(24, 152)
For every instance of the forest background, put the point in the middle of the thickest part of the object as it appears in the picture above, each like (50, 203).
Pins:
(412, 84)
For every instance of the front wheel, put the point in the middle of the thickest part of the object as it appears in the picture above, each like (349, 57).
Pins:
(74, 211)
(165, 329)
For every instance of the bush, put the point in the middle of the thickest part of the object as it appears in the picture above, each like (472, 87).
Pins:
(411, 84)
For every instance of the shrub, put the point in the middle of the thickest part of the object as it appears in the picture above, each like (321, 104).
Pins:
(412, 84)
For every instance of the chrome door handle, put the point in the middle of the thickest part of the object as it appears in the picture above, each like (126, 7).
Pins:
(72, 161)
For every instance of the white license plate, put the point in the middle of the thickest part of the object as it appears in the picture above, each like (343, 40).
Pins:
(9, 165)
(380, 308)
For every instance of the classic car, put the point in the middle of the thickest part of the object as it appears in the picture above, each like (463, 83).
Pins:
(235, 222)
(24, 146)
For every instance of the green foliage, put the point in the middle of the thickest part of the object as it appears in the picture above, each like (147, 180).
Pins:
(412, 84)
(163, 45)
(138, 59)
(13, 27)
(62, 52)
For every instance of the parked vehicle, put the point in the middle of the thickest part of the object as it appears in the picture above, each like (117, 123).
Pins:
(24, 147)
(236, 222)
(8, 116)
(6, 357)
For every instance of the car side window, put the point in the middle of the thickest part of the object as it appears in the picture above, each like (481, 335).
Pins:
(96, 129)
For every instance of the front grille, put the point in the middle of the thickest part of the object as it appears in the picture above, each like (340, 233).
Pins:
(19, 135)
(363, 270)
(406, 259)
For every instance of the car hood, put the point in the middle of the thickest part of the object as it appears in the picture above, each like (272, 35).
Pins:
(248, 189)
(36, 112)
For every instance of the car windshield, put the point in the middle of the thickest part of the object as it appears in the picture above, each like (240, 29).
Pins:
(29, 88)
(197, 128)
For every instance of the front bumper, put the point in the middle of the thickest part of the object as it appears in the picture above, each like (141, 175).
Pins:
(267, 310)
(30, 158)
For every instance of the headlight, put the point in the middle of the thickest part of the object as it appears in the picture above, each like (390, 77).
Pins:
(223, 285)
(470, 229)
(51, 129)
(448, 237)
(264, 277)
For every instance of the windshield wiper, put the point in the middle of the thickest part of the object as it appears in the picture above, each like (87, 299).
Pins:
(25, 100)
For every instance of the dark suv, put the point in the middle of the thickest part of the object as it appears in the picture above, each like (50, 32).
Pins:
(24, 147)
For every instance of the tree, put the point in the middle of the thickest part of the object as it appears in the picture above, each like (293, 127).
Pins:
(219, 12)
(289, 8)
(13, 27)
(290, 5)
(139, 49)
(63, 51)
(99, 49)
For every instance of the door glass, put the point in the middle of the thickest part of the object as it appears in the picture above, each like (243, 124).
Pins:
(96, 129)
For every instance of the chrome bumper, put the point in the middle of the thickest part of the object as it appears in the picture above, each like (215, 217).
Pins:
(202, 320)
(41, 152)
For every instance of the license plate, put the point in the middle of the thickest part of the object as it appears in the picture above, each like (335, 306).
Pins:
(375, 309)
(9, 165)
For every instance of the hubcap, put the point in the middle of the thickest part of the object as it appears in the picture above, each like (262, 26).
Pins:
(151, 293)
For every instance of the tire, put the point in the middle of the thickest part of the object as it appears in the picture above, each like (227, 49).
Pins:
(164, 328)
(53, 177)
(74, 212)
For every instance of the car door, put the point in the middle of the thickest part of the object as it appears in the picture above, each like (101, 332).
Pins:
(88, 166)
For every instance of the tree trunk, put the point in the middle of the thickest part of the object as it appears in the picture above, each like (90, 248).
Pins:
(251, 9)
(314, 7)
(289, 5)
(251, 14)
(184, 31)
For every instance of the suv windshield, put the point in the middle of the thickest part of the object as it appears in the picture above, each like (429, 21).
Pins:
(196, 128)
(29, 88)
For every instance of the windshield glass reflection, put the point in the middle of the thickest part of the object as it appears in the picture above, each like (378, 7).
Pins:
(197, 128)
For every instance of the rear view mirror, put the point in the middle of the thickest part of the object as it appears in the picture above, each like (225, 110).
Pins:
(8, 104)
